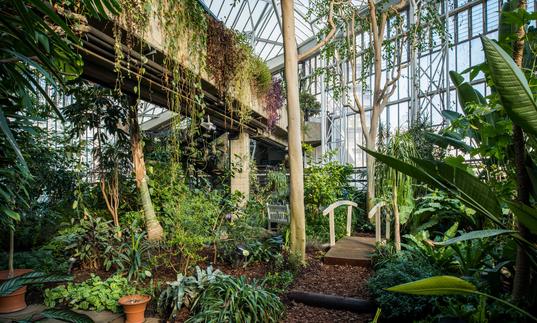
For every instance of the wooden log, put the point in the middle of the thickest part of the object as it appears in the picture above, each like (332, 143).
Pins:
(332, 302)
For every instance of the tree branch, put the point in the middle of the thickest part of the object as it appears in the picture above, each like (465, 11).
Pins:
(326, 39)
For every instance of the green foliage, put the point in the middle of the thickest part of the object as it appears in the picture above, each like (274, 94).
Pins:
(94, 243)
(324, 184)
(261, 74)
(39, 260)
(403, 268)
(278, 282)
(231, 299)
(132, 256)
(185, 291)
(93, 294)
(242, 241)
(437, 211)
(309, 105)
(448, 285)
(35, 277)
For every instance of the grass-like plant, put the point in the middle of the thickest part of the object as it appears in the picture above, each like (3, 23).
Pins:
(232, 299)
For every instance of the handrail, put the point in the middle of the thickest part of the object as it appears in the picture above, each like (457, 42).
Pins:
(330, 211)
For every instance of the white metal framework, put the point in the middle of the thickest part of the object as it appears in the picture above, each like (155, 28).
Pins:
(424, 89)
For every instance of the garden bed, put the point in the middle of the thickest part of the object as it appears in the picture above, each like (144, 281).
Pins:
(317, 277)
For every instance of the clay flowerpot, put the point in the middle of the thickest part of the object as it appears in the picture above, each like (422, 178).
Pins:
(15, 301)
(134, 307)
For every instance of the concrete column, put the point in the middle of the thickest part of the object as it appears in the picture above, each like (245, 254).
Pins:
(240, 161)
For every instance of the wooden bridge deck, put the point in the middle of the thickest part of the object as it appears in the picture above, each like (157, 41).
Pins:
(353, 251)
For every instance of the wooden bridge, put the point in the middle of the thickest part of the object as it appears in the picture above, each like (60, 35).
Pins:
(350, 250)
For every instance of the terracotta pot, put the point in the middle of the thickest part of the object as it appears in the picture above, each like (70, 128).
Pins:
(15, 301)
(134, 307)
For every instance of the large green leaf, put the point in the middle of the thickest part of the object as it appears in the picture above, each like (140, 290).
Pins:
(465, 92)
(480, 234)
(466, 186)
(512, 86)
(525, 214)
(448, 285)
(9, 286)
(444, 141)
(4, 126)
(66, 315)
(438, 285)
(405, 168)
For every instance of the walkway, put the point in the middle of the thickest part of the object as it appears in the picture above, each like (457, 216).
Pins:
(352, 251)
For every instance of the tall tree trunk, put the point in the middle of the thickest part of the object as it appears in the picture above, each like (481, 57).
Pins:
(521, 281)
(370, 165)
(154, 229)
(298, 221)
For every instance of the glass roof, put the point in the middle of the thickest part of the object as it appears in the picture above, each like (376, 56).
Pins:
(261, 20)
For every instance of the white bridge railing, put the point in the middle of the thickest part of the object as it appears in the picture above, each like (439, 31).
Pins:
(330, 211)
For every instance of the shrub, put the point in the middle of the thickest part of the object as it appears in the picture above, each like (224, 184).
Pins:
(278, 282)
(184, 291)
(38, 260)
(244, 252)
(231, 299)
(402, 269)
(92, 294)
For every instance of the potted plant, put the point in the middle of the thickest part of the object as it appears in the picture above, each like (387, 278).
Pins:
(13, 283)
(134, 307)
(14, 300)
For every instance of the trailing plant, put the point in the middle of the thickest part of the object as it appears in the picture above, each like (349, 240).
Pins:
(233, 299)
(93, 294)
(224, 55)
(273, 103)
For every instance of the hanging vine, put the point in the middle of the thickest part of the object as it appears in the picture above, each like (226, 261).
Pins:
(274, 103)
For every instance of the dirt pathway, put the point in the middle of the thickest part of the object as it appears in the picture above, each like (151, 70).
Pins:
(331, 280)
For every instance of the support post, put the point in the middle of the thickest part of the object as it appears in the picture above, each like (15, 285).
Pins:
(332, 228)
(349, 220)
(240, 161)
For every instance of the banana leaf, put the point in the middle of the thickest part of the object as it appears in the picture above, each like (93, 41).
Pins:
(512, 86)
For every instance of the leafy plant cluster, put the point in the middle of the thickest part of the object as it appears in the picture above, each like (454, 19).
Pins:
(40, 260)
(213, 296)
(93, 294)
(234, 299)
(325, 183)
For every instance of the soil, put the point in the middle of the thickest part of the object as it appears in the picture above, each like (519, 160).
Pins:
(349, 281)
(346, 281)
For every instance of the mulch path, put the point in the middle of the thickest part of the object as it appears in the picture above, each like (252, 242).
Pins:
(349, 281)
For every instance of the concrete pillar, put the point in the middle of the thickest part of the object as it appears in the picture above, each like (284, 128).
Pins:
(240, 162)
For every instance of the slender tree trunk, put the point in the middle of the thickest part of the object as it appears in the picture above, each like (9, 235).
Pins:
(371, 144)
(521, 281)
(154, 229)
(522, 278)
(397, 229)
(11, 270)
(298, 221)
